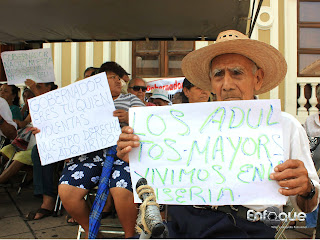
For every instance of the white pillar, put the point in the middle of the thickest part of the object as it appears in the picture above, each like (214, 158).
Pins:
(106, 51)
(313, 100)
(290, 13)
(57, 63)
(124, 55)
(74, 61)
(89, 54)
(272, 25)
(274, 36)
(302, 111)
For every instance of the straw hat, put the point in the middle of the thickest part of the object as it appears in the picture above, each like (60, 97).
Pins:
(160, 93)
(196, 65)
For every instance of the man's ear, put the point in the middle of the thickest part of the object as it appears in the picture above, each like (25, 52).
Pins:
(186, 92)
(258, 79)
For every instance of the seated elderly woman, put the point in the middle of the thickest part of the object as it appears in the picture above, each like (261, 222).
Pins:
(11, 94)
(44, 177)
(20, 148)
(73, 189)
(20, 158)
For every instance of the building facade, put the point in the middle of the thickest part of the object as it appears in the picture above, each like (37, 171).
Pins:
(291, 26)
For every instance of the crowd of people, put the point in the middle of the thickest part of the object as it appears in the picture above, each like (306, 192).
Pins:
(125, 93)
(234, 68)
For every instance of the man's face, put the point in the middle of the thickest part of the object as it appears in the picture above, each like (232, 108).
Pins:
(159, 102)
(233, 78)
(138, 88)
(114, 84)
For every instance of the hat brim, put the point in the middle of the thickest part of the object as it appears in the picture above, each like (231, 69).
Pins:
(161, 97)
(196, 65)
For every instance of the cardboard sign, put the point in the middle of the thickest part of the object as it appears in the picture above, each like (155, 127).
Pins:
(34, 64)
(75, 120)
(171, 85)
(217, 153)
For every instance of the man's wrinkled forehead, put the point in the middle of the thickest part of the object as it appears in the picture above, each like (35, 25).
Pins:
(230, 56)
(139, 82)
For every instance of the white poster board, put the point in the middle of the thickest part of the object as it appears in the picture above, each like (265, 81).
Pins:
(217, 153)
(34, 64)
(171, 85)
(75, 120)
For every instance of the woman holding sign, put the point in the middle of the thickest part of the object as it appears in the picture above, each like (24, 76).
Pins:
(43, 176)
(19, 146)
(82, 173)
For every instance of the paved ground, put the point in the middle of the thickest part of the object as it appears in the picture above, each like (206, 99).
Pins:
(14, 207)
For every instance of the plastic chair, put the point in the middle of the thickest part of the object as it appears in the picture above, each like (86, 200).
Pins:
(57, 211)
(24, 173)
(117, 232)
(2, 141)
(32, 142)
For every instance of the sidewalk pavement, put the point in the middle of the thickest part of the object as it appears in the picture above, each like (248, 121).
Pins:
(14, 207)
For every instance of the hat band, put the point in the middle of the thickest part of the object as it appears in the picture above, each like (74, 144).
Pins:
(159, 95)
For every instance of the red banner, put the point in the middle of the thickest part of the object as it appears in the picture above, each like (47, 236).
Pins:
(172, 85)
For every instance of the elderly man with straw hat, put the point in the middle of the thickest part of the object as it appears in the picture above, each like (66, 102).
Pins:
(238, 68)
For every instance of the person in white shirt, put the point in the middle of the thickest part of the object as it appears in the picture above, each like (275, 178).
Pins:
(8, 128)
(238, 68)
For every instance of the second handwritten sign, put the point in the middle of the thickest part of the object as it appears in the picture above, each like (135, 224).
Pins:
(74, 120)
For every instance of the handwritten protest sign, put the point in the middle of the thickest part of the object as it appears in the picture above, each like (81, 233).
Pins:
(74, 120)
(28, 64)
(218, 153)
(172, 85)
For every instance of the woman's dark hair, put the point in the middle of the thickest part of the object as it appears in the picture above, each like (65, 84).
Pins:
(93, 69)
(113, 67)
(15, 91)
(186, 84)
(52, 85)
(26, 89)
